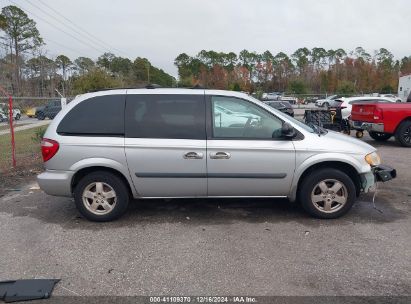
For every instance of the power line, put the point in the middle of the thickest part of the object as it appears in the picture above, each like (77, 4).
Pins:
(53, 25)
(64, 46)
(65, 25)
(80, 28)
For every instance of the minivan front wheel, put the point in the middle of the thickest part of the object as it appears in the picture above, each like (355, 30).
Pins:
(101, 196)
(327, 193)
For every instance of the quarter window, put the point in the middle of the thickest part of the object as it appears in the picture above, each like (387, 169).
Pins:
(238, 118)
(165, 116)
(101, 116)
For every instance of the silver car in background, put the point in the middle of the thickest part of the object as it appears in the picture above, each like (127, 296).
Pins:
(107, 147)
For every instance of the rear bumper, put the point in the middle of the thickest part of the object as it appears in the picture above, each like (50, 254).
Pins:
(369, 126)
(56, 182)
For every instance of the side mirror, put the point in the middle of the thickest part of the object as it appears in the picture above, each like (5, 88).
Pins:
(287, 131)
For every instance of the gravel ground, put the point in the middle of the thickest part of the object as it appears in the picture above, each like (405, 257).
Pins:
(214, 247)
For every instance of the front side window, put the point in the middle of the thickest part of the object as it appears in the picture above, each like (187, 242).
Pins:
(100, 116)
(165, 116)
(237, 118)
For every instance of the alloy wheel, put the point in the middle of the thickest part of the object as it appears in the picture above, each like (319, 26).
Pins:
(99, 198)
(329, 195)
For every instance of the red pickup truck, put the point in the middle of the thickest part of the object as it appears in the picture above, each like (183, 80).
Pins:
(383, 120)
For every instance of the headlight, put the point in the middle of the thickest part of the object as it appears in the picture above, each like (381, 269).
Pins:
(373, 159)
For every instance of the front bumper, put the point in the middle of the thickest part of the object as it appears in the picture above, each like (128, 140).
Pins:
(384, 173)
(55, 182)
(369, 126)
(377, 174)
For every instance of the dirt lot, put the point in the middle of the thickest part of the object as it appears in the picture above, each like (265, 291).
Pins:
(214, 247)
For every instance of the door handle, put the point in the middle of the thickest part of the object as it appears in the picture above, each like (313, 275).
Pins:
(220, 155)
(193, 155)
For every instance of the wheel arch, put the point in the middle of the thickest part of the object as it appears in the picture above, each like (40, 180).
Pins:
(401, 122)
(87, 170)
(343, 166)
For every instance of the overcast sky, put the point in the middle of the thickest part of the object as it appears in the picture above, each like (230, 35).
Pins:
(161, 29)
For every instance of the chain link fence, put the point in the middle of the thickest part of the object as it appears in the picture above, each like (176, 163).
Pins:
(30, 118)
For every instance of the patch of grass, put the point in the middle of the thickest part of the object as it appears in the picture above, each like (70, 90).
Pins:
(7, 127)
(28, 151)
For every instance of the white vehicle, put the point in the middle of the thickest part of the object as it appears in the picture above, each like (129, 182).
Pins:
(404, 88)
(392, 96)
(327, 102)
(271, 96)
(346, 105)
(3, 117)
(4, 108)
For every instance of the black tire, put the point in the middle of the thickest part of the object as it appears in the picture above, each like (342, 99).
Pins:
(40, 116)
(379, 136)
(403, 133)
(18, 116)
(309, 184)
(110, 179)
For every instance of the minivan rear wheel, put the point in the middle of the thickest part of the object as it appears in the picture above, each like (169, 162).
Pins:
(327, 193)
(101, 196)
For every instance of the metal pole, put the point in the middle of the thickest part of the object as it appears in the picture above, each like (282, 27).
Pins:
(13, 143)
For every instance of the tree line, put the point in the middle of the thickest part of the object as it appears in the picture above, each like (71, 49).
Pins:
(26, 70)
(305, 71)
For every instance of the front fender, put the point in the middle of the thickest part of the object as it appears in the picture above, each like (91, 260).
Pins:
(306, 161)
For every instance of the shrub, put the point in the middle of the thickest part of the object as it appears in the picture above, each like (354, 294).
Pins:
(298, 87)
(38, 134)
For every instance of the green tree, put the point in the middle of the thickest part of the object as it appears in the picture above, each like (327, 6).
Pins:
(346, 88)
(301, 58)
(318, 56)
(21, 34)
(84, 64)
(105, 60)
(121, 65)
(63, 63)
(96, 79)
(298, 87)
(230, 61)
(141, 70)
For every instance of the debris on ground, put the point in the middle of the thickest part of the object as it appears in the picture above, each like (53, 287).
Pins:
(26, 290)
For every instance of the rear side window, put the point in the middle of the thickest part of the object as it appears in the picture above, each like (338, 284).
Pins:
(100, 116)
(165, 116)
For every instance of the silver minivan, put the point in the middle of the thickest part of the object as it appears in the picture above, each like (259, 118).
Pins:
(107, 147)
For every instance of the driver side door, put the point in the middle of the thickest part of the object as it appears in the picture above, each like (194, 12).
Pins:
(246, 155)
